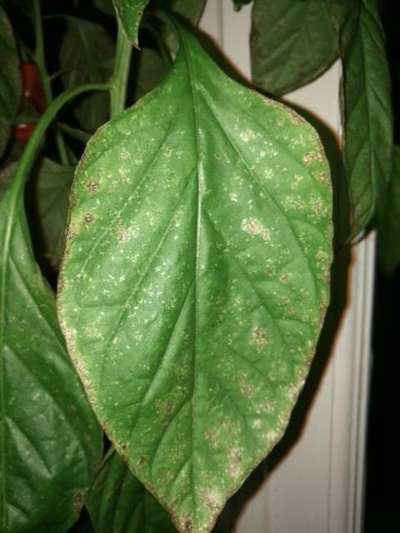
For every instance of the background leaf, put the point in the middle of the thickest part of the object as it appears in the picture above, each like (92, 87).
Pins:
(195, 280)
(389, 223)
(367, 118)
(151, 70)
(86, 56)
(50, 442)
(50, 190)
(106, 6)
(292, 43)
(118, 502)
(10, 80)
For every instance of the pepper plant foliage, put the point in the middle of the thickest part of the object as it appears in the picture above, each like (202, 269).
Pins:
(196, 259)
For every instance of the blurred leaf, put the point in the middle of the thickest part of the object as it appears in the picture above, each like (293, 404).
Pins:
(51, 184)
(10, 79)
(366, 107)
(150, 71)
(389, 223)
(87, 55)
(106, 6)
(50, 441)
(119, 503)
(190, 9)
(293, 42)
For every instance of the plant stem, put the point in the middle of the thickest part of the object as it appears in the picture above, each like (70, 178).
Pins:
(119, 79)
(40, 60)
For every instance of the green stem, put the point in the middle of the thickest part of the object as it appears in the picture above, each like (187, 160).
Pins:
(32, 148)
(40, 60)
(119, 79)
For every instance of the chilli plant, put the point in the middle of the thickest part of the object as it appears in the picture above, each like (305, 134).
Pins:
(191, 257)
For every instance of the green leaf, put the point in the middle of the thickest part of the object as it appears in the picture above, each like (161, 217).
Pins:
(367, 118)
(389, 223)
(10, 80)
(196, 279)
(87, 56)
(50, 442)
(52, 185)
(292, 43)
(129, 13)
(118, 502)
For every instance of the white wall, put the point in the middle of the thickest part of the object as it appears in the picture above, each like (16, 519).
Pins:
(317, 487)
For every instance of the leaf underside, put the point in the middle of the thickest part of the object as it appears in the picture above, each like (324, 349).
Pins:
(292, 43)
(195, 280)
(368, 118)
(118, 502)
(50, 442)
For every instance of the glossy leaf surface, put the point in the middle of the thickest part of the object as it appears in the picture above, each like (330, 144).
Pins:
(50, 442)
(130, 14)
(118, 502)
(196, 279)
(86, 56)
(389, 223)
(368, 118)
(292, 43)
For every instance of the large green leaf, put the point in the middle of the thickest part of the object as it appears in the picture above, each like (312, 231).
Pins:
(50, 442)
(195, 280)
(292, 43)
(389, 223)
(118, 502)
(87, 56)
(130, 14)
(367, 118)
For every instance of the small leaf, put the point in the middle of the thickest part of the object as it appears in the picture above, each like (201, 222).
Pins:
(367, 118)
(195, 280)
(86, 56)
(190, 9)
(292, 43)
(130, 13)
(50, 442)
(51, 186)
(389, 224)
(118, 502)
(10, 79)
